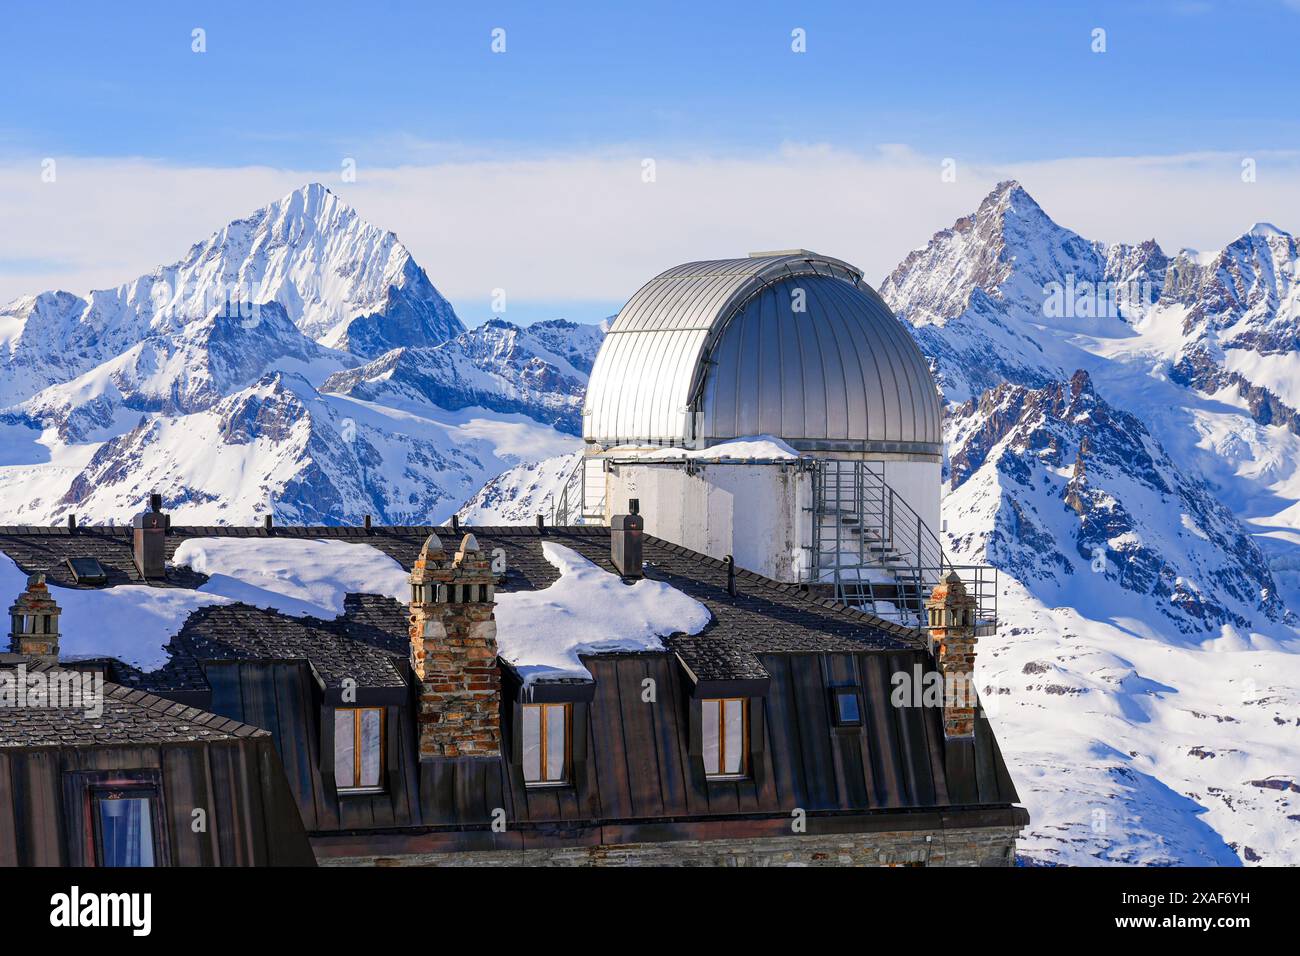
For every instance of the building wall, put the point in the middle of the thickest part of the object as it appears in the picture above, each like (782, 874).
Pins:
(638, 761)
(251, 819)
(983, 846)
(753, 512)
(919, 484)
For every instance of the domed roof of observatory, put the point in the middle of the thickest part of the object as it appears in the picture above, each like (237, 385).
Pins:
(789, 344)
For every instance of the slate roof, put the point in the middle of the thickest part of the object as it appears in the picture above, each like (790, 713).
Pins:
(764, 617)
(335, 649)
(129, 717)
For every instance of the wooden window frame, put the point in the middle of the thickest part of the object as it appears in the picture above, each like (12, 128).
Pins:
(357, 787)
(83, 790)
(567, 772)
(719, 702)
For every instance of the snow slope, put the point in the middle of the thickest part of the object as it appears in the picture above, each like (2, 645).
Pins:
(539, 371)
(1129, 464)
(519, 494)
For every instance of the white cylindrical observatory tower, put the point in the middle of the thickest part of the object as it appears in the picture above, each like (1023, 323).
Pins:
(750, 404)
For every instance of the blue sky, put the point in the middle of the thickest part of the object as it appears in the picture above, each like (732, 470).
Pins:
(295, 83)
(291, 86)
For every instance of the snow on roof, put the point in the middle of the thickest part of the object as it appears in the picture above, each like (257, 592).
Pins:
(541, 633)
(587, 611)
(131, 622)
(293, 576)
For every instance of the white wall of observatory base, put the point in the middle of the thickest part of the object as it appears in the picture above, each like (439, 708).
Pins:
(760, 513)
(754, 512)
(919, 483)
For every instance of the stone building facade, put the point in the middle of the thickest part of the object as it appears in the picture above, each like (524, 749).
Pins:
(973, 846)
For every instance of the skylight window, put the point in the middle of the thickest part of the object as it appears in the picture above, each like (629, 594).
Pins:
(87, 571)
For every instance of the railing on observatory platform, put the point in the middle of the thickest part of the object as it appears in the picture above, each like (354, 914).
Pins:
(872, 547)
(579, 500)
(869, 546)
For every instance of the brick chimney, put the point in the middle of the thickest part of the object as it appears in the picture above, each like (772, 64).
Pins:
(149, 532)
(454, 651)
(952, 640)
(34, 622)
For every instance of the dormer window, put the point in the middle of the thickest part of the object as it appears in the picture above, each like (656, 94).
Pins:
(359, 749)
(725, 737)
(546, 744)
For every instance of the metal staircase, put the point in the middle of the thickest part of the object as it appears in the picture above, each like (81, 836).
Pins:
(581, 499)
(870, 549)
(876, 553)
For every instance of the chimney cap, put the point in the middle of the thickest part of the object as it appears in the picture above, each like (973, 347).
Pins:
(36, 580)
(155, 501)
(432, 545)
(149, 520)
(468, 543)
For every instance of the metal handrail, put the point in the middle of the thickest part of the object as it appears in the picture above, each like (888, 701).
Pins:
(570, 505)
(860, 522)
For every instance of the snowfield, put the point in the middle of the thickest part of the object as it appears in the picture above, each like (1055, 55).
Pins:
(1136, 480)
(1130, 749)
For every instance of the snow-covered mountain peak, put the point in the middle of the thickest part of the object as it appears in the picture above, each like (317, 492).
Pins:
(1009, 202)
(343, 282)
(1007, 251)
(201, 378)
(1266, 230)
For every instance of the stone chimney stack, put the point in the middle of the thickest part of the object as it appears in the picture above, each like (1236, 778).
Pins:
(952, 640)
(149, 532)
(454, 651)
(34, 622)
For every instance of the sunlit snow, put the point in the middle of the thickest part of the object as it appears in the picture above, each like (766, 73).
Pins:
(587, 611)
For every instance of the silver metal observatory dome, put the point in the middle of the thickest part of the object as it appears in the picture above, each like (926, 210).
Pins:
(791, 344)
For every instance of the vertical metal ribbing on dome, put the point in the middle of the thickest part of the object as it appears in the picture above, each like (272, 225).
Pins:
(722, 339)
(879, 390)
(814, 376)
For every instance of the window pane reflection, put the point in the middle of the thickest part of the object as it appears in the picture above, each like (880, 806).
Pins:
(125, 831)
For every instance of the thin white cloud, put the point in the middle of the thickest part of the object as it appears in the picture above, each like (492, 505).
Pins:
(563, 228)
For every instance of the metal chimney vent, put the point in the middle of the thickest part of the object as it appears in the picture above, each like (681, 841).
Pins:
(625, 541)
(149, 531)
